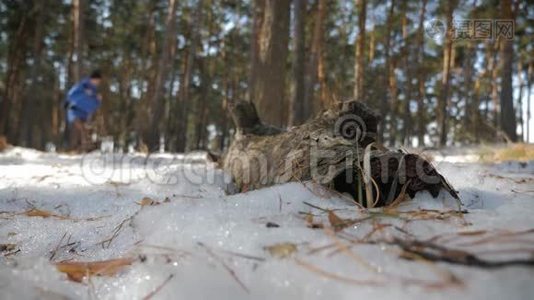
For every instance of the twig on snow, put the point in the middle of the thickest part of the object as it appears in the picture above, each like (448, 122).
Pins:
(159, 288)
(228, 269)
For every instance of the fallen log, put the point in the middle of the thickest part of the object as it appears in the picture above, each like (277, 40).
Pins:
(336, 149)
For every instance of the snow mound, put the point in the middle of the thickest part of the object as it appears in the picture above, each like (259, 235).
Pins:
(191, 240)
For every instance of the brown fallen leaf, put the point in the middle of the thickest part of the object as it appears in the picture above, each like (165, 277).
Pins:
(35, 212)
(401, 197)
(334, 220)
(76, 271)
(146, 201)
(281, 250)
(337, 223)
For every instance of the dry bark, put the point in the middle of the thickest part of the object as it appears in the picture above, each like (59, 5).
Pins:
(163, 69)
(448, 59)
(335, 149)
(270, 40)
(508, 118)
(359, 65)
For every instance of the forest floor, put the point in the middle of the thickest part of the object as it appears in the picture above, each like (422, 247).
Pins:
(163, 228)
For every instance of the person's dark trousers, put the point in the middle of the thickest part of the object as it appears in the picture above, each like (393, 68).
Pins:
(77, 136)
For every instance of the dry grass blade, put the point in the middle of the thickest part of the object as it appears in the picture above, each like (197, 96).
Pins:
(377, 227)
(159, 288)
(422, 214)
(36, 212)
(225, 266)
(433, 252)
(165, 248)
(336, 222)
(377, 189)
(107, 242)
(346, 250)
(401, 197)
(315, 206)
(334, 276)
(321, 248)
(500, 237)
(367, 176)
(339, 224)
(472, 232)
(245, 256)
(76, 271)
(57, 247)
(517, 152)
(449, 279)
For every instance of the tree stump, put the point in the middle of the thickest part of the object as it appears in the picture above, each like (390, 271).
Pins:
(336, 149)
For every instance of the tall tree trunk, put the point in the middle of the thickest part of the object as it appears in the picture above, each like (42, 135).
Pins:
(206, 71)
(387, 98)
(298, 99)
(530, 75)
(55, 111)
(508, 118)
(489, 78)
(372, 42)
(408, 73)
(315, 65)
(35, 95)
(495, 84)
(76, 59)
(442, 114)
(141, 118)
(325, 98)
(125, 97)
(393, 94)
(271, 22)
(15, 64)
(185, 84)
(519, 114)
(359, 66)
(157, 100)
(224, 122)
(467, 93)
(421, 124)
(475, 123)
(471, 89)
(201, 107)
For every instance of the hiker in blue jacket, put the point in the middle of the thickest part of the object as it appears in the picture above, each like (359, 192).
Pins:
(82, 102)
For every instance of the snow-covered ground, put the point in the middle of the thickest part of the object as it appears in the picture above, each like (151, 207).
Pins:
(199, 243)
